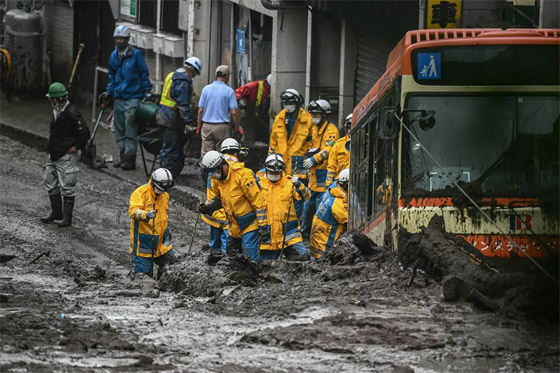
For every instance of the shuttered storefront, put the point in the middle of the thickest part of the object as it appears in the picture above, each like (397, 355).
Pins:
(370, 62)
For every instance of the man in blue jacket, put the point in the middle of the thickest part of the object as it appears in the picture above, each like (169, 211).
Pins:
(174, 116)
(129, 82)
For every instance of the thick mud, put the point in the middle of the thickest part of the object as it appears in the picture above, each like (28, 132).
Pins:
(77, 307)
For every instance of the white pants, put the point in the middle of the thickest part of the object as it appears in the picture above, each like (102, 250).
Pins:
(61, 176)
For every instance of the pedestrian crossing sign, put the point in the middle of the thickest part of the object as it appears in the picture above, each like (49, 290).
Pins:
(429, 65)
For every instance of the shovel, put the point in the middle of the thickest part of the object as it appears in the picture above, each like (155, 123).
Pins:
(89, 153)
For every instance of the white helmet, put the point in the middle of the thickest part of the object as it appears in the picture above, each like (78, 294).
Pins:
(348, 121)
(344, 175)
(162, 179)
(121, 32)
(291, 95)
(274, 163)
(230, 144)
(212, 160)
(194, 62)
(320, 106)
(269, 78)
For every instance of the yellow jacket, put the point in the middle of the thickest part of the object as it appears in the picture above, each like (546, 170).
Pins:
(280, 196)
(293, 149)
(142, 230)
(241, 198)
(329, 220)
(324, 137)
(339, 158)
(218, 218)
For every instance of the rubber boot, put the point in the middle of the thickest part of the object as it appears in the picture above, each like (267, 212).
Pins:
(56, 206)
(120, 161)
(67, 211)
(129, 163)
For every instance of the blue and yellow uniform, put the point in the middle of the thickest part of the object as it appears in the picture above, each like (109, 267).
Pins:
(339, 159)
(145, 234)
(282, 218)
(329, 221)
(292, 140)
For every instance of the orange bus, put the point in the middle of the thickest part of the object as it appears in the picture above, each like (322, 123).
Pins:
(462, 110)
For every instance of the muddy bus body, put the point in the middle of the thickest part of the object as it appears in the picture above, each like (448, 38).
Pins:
(475, 108)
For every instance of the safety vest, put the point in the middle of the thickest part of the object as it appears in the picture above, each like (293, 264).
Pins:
(165, 98)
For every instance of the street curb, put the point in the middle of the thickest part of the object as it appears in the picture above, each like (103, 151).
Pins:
(186, 196)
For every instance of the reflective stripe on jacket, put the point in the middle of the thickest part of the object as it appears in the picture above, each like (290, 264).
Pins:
(323, 139)
(143, 232)
(293, 149)
(339, 158)
(329, 220)
(241, 198)
(280, 196)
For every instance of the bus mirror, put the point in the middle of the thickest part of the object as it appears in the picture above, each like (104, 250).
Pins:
(390, 127)
(426, 119)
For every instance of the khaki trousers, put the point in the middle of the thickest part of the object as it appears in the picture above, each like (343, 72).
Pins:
(212, 135)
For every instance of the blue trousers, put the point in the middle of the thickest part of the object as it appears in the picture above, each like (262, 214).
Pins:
(309, 208)
(297, 251)
(248, 244)
(126, 128)
(218, 239)
(142, 264)
(171, 148)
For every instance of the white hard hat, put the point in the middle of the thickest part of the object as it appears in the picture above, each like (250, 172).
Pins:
(121, 32)
(211, 160)
(162, 179)
(348, 121)
(269, 78)
(194, 62)
(344, 175)
(319, 106)
(230, 144)
(274, 163)
(291, 95)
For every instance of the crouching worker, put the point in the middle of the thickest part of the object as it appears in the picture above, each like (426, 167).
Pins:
(150, 240)
(68, 133)
(237, 191)
(331, 217)
(280, 191)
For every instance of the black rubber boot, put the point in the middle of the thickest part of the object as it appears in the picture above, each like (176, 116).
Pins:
(120, 161)
(129, 163)
(67, 211)
(56, 205)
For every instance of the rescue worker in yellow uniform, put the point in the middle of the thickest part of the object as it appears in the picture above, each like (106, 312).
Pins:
(218, 222)
(280, 191)
(291, 136)
(339, 157)
(150, 240)
(237, 190)
(331, 217)
(325, 135)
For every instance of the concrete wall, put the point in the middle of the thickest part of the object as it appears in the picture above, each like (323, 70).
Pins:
(549, 14)
(59, 22)
(348, 50)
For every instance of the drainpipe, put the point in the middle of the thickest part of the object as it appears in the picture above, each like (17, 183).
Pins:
(159, 57)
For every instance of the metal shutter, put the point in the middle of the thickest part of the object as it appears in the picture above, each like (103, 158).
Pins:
(370, 62)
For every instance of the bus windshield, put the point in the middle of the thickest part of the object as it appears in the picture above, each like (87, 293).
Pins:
(495, 146)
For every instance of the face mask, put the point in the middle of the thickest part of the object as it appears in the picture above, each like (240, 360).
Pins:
(217, 174)
(290, 108)
(121, 44)
(274, 178)
(316, 121)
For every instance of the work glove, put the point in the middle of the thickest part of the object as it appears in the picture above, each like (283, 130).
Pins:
(295, 180)
(242, 103)
(201, 207)
(264, 234)
(104, 99)
(211, 206)
(307, 163)
(238, 135)
(151, 214)
(198, 129)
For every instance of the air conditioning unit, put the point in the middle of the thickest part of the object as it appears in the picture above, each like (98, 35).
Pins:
(158, 43)
(173, 46)
(145, 38)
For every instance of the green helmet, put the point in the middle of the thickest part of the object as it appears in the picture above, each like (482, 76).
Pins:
(57, 90)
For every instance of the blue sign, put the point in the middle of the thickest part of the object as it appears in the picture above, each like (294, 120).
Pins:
(240, 41)
(429, 65)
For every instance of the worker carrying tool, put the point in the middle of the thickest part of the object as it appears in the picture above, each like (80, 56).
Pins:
(174, 116)
(331, 217)
(325, 135)
(339, 156)
(68, 133)
(150, 239)
(280, 191)
(237, 190)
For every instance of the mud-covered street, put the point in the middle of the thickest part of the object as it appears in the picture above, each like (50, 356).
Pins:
(69, 303)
